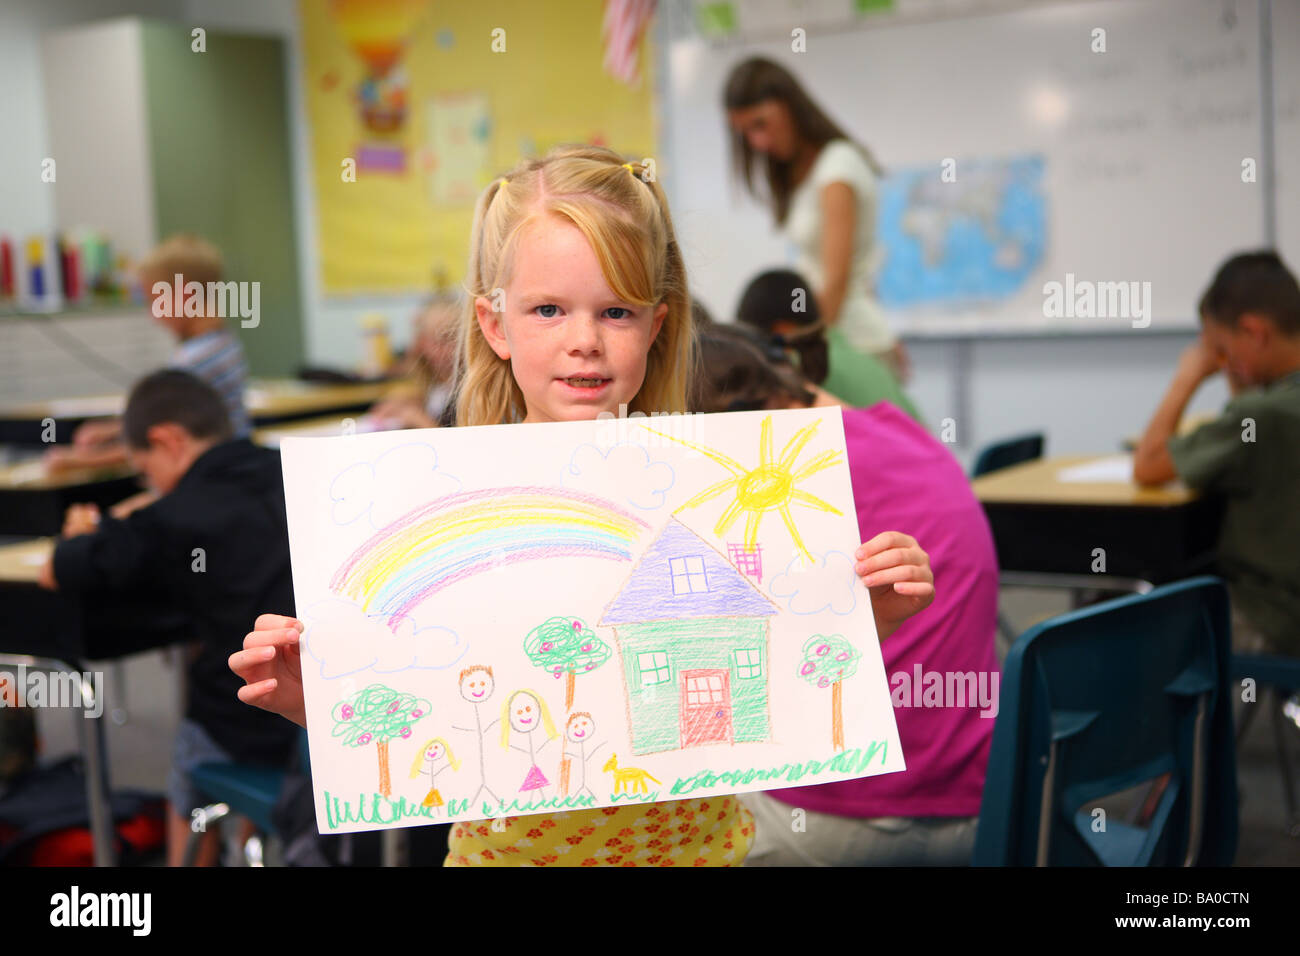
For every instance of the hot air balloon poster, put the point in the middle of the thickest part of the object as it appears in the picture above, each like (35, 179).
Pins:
(414, 106)
(522, 619)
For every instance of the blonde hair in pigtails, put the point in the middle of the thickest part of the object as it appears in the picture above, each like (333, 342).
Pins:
(486, 392)
(624, 217)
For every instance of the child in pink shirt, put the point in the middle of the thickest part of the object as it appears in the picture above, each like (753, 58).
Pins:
(942, 666)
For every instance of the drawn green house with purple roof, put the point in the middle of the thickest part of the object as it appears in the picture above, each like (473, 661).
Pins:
(692, 634)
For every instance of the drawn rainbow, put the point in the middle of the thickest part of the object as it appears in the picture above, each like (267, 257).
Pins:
(461, 535)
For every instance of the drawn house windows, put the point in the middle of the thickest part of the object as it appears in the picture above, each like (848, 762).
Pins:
(749, 663)
(692, 634)
(747, 561)
(653, 667)
(703, 690)
(688, 575)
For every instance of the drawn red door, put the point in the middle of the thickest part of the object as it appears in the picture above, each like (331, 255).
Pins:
(706, 707)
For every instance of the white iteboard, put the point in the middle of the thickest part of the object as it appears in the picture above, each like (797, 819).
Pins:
(1140, 146)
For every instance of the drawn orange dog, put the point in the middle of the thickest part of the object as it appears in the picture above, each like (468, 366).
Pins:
(627, 779)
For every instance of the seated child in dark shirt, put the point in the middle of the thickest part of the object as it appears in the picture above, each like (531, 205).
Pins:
(215, 547)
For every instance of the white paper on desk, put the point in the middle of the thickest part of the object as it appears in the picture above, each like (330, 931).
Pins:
(88, 407)
(273, 435)
(1115, 468)
(26, 472)
(602, 571)
(257, 398)
(260, 393)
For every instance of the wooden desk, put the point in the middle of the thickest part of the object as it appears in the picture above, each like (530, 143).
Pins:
(1044, 525)
(267, 400)
(20, 563)
(33, 502)
(32, 474)
(25, 424)
(33, 620)
(280, 400)
(1039, 482)
(326, 426)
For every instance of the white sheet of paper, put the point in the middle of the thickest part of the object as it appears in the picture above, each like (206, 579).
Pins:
(26, 472)
(639, 650)
(1114, 468)
(90, 406)
(273, 436)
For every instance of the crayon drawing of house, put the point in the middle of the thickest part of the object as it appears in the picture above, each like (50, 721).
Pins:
(692, 633)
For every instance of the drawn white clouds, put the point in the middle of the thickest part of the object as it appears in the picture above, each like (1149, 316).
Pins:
(354, 490)
(342, 639)
(828, 584)
(640, 482)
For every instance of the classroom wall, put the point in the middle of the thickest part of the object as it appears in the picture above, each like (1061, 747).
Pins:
(95, 87)
(1086, 393)
(331, 328)
(29, 208)
(222, 170)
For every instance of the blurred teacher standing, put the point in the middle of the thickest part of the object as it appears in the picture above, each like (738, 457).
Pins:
(822, 189)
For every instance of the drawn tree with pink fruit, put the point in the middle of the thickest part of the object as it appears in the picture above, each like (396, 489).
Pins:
(827, 661)
(378, 715)
(566, 647)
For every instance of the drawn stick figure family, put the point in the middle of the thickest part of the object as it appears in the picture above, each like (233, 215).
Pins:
(522, 717)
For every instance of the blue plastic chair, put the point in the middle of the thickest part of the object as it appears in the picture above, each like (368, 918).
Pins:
(1008, 452)
(240, 789)
(1105, 699)
(1279, 678)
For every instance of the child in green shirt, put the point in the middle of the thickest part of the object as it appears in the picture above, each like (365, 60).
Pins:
(1250, 327)
(779, 305)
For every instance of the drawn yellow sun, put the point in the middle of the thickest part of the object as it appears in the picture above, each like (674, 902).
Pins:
(769, 487)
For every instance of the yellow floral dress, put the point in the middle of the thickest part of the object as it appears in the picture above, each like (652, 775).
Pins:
(713, 831)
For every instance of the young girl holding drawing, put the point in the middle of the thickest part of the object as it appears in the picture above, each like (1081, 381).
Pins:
(579, 305)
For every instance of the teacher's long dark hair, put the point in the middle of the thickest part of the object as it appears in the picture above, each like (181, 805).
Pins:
(750, 83)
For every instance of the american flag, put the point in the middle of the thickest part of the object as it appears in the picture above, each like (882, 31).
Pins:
(625, 22)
